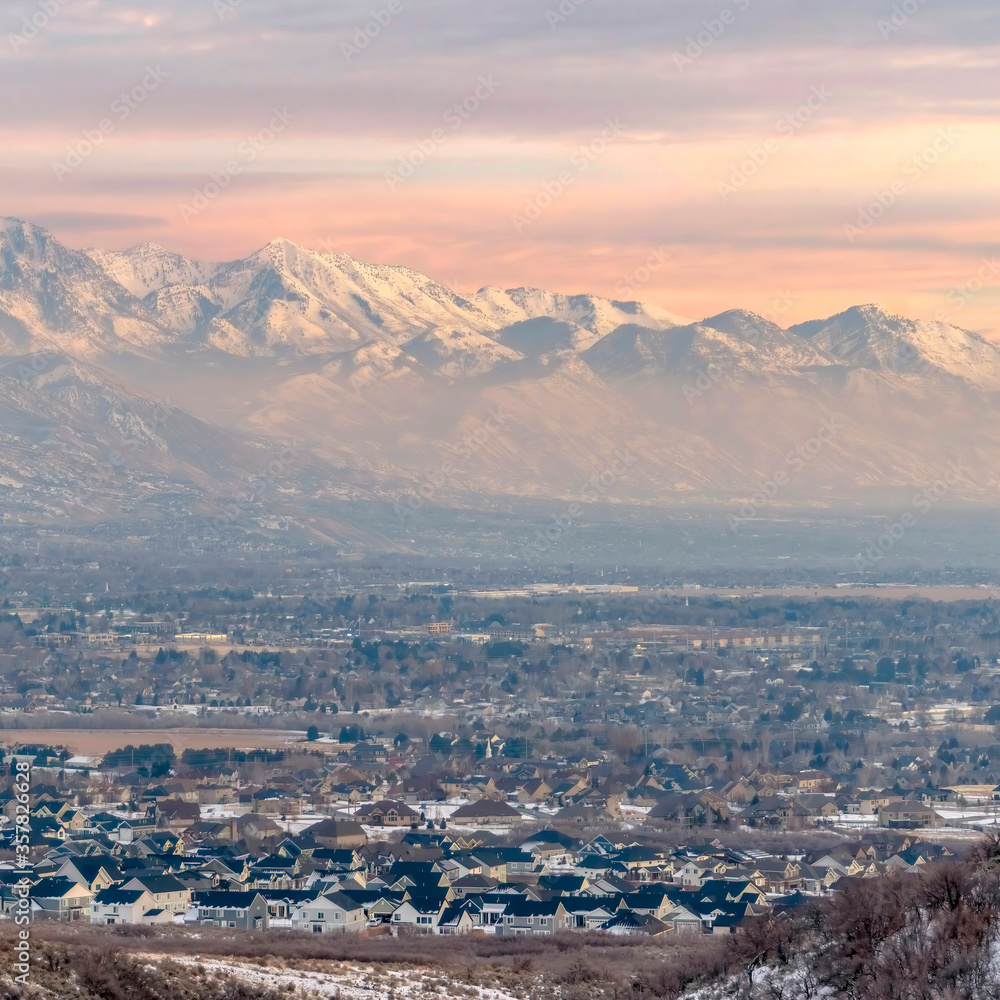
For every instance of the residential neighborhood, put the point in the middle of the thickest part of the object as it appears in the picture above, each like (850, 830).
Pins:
(408, 843)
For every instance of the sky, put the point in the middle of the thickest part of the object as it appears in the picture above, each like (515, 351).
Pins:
(793, 157)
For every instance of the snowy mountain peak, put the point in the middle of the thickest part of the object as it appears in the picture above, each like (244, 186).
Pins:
(284, 299)
(373, 367)
(15, 228)
(24, 241)
(598, 315)
(741, 322)
(870, 337)
(873, 312)
(148, 268)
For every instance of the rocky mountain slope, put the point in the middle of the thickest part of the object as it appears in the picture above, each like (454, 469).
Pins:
(388, 383)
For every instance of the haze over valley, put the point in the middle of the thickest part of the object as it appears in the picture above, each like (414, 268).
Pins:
(140, 380)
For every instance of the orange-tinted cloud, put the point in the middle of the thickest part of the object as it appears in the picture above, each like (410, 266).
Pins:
(793, 154)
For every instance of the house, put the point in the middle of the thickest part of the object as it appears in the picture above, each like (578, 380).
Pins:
(387, 813)
(780, 812)
(420, 912)
(937, 796)
(455, 919)
(587, 914)
(130, 830)
(739, 792)
(121, 906)
(585, 814)
(813, 781)
(245, 911)
(636, 858)
(486, 812)
(175, 815)
(503, 863)
(525, 916)
(368, 752)
(630, 922)
(692, 874)
(474, 885)
(819, 806)
(337, 834)
(599, 846)
(334, 911)
(774, 875)
(608, 885)
(689, 809)
(168, 893)
(869, 803)
(681, 920)
(276, 802)
(534, 790)
(95, 873)
(58, 898)
(908, 815)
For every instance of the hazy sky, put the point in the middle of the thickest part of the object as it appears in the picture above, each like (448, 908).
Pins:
(792, 156)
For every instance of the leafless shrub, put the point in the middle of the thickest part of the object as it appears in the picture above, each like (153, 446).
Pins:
(945, 887)
(580, 971)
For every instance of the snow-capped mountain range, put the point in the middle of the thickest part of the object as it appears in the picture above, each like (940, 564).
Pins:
(379, 374)
(286, 300)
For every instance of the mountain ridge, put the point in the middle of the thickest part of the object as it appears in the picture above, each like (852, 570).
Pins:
(285, 299)
(380, 374)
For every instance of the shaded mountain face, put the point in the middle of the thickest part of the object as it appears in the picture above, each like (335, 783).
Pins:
(55, 298)
(77, 442)
(382, 380)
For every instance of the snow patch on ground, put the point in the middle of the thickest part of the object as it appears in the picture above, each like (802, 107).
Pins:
(349, 981)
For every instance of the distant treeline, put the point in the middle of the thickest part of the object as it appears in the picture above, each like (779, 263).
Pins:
(214, 758)
(157, 757)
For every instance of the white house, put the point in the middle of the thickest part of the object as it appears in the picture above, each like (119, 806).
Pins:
(333, 912)
(123, 906)
(682, 920)
(423, 914)
(127, 906)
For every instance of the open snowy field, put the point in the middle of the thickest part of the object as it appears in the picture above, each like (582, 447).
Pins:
(346, 980)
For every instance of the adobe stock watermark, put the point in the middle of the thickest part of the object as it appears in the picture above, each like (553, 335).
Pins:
(922, 502)
(901, 14)
(102, 472)
(783, 300)
(786, 127)
(117, 457)
(414, 501)
(33, 25)
(121, 109)
(226, 9)
(330, 244)
(365, 34)
(230, 513)
(580, 161)
(115, 460)
(695, 46)
(596, 487)
(27, 368)
(246, 152)
(454, 118)
(630, 284)
(285, 461)
(709, 376)
(561, 13)
(795, 461)
(20, 910)
(962, 294)
(914, 169)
